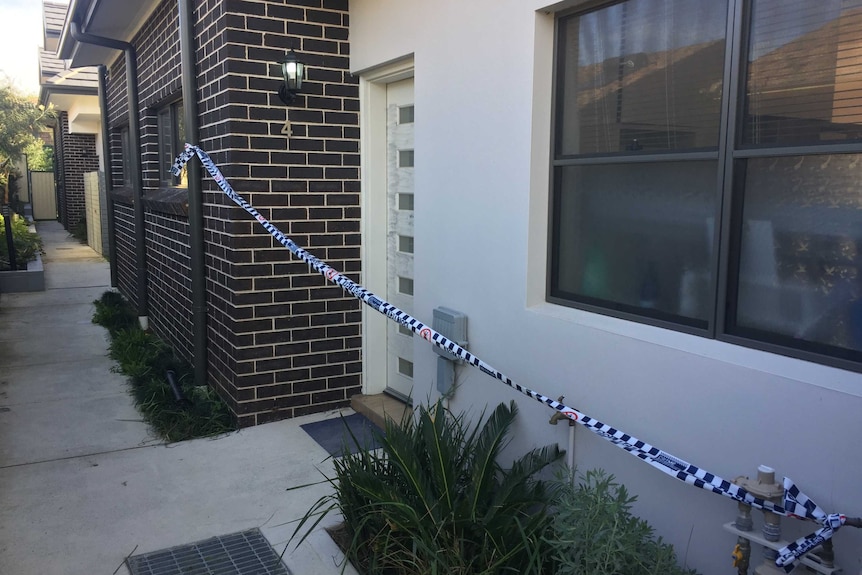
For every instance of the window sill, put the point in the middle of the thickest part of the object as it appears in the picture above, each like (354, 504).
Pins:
(124, 195)
(173, 201)
(782, 366)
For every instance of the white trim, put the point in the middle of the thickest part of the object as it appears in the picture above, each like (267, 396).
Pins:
(372, 125)
(822, 376)
(540, 159)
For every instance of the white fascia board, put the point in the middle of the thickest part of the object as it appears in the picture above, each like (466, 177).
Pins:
(116, 19)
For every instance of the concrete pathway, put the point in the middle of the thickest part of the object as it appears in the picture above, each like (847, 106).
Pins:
(83, 483)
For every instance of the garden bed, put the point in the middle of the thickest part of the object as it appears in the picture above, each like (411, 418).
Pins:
(29, 280)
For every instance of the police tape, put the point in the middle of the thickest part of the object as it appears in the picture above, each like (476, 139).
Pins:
(795, 503)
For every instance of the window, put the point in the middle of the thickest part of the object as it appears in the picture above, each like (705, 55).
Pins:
(126, 151)
(675, 128)
(172, 136)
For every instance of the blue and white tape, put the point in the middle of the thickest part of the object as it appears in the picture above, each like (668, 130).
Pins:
(795, 503)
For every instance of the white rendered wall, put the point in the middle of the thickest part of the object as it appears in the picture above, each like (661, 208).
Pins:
(483, 96)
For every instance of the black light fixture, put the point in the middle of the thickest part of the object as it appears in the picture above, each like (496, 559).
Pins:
(293, 71)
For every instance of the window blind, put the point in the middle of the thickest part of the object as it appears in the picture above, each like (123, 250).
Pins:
(642, 75)
(804, 77)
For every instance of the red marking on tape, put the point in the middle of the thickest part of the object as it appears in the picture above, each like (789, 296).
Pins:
(331, 273)
(425, 333)
(571, 415)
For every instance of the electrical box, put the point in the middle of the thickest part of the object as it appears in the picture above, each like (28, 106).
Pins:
(453, 325)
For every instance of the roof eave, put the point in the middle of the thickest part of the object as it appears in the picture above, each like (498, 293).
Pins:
(117, 19)
(47, 92)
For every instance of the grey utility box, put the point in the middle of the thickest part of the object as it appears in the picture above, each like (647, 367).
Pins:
(453, 325)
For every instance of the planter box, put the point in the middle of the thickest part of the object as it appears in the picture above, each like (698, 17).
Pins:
(31, 279)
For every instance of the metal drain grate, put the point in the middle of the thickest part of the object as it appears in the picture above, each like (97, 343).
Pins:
(244, 553)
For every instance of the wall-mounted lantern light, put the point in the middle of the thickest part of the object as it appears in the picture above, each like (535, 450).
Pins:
(293, 71)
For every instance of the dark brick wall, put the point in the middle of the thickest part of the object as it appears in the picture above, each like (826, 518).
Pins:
(124, 244)
(166, 234)
(169, 279)
(281, 342)
(296, 340)
(78, 158)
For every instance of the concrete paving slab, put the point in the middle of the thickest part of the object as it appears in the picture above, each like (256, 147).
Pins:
(50, 319)
(81, 483)
(41, 384)
(54, 347)
(77, 296)
(85, 514)
(76, 274)
(96, 425)
(47, 317)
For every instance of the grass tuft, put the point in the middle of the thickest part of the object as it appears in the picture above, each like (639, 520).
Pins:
(79, 231)
(145, 360)
(434, 499)
(114, 313)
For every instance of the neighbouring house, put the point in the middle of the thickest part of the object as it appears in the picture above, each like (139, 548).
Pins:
(72, 91)
(272, 337)
(650, 207)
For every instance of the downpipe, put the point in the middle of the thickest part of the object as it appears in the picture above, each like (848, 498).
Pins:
(135, 136)
(108, 167)
(197, 261)
(176, 390)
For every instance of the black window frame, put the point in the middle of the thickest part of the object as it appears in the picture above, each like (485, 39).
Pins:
(731, 155)
(125, 155)
(169, 118)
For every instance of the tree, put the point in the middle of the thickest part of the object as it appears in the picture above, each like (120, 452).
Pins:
(40, 157)
(21, 120)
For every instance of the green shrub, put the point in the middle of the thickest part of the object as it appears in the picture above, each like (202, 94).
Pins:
(435, 500)
(145, 360)
(594, 532)
(139, 354)
(114, 313)
(79, 231)
(202, 414)
(27, 244)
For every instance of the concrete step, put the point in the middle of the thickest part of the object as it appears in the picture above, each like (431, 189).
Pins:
(380, 407)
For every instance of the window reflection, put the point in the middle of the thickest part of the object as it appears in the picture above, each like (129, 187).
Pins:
(801, 249)
(643, 75)
(638, 236)
(803, 83)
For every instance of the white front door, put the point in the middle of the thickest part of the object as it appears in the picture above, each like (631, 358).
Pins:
(399, 230)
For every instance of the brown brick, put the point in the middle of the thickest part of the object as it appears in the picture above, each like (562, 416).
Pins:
(265, 310)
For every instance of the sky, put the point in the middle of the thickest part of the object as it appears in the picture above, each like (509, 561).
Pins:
(20, 42)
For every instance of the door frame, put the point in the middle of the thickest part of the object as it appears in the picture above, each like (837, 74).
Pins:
(372, 141)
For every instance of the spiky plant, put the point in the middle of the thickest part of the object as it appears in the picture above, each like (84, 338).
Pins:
(435, 499)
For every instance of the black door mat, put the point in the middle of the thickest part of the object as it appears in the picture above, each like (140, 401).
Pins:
(333, 435)
(243, 553)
